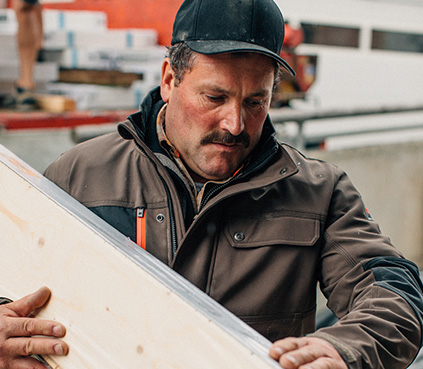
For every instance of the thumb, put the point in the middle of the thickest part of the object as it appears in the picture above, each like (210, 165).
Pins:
(29, 303)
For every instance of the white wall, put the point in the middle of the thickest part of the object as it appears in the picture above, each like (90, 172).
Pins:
(390, 179)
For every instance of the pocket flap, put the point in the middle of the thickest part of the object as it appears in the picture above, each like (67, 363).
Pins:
(279, 230)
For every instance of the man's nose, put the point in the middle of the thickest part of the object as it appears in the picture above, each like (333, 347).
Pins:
(233, 121)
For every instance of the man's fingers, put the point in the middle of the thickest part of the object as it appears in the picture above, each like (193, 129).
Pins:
(304, 355)
(26, 305)
(22, 335)
(306, 352)
(34, 346)
(287, 344)
(25, 327)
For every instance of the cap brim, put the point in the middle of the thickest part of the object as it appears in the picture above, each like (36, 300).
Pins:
(210, 47)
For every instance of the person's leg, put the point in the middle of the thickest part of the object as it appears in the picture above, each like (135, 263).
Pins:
(29, 39)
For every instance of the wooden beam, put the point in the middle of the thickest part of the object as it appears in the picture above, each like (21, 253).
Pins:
(122, 307)
(99, 77)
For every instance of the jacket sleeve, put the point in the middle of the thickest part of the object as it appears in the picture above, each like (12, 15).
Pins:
(4, 300)
(374, 291)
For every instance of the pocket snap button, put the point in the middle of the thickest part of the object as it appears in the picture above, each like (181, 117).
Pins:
(239, 236)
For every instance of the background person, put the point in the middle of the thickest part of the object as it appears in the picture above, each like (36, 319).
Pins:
(29, 39)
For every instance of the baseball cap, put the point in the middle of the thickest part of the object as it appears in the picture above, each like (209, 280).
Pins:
(220, 26)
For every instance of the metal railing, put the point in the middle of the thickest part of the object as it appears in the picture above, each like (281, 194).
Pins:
(285, 115)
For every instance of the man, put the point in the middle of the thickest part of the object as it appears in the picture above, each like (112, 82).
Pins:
(29, 40)
(197, 178)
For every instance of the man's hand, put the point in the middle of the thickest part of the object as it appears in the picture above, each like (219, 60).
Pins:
(17, 328)
(306, 353)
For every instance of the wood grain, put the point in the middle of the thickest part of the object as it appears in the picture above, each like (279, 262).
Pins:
(122, 308)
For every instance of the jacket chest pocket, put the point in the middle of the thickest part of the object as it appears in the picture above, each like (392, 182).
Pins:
(272, 230)
(274, 259)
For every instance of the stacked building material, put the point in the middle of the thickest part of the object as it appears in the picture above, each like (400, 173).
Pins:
(77, 47)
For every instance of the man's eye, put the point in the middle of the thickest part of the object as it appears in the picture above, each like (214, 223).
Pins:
(254, 102)
(215, 98)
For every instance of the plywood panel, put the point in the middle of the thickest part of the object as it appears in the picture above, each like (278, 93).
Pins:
(121, 306)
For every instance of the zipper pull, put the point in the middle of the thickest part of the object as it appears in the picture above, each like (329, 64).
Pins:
(141, 227)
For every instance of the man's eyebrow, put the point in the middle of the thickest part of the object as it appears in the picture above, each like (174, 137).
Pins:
(259, 93)
(218, 89)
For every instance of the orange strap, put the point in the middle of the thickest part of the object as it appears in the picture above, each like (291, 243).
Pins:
(141, 227)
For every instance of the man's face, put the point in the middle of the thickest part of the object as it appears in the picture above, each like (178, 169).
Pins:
(215, 115)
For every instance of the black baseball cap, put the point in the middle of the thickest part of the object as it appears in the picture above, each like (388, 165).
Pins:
(220, 26)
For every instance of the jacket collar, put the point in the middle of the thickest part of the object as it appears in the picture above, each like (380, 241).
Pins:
(142, 123)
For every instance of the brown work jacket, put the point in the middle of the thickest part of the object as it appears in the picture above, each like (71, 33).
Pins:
(261, 243)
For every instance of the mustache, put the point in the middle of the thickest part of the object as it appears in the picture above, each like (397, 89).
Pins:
(226, 138)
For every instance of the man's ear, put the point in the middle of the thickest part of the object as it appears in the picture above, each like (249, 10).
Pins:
(168, 80)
